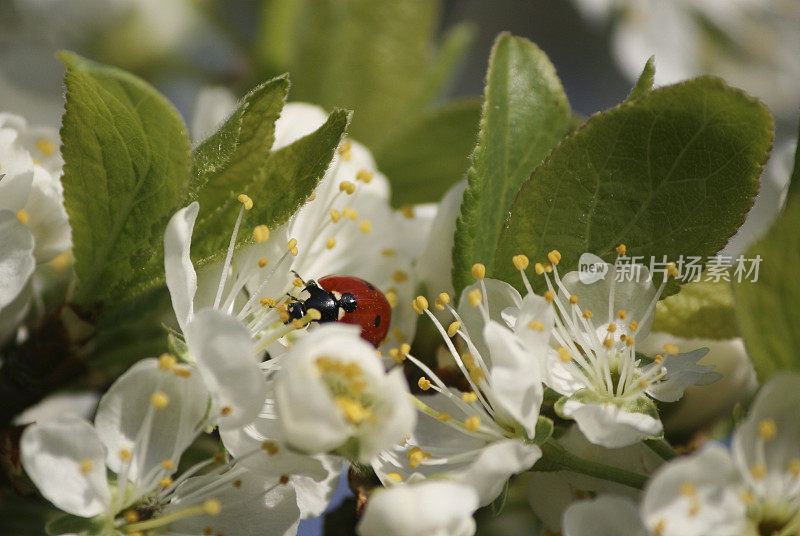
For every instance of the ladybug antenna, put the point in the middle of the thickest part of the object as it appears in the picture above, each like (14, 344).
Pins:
(298, 276)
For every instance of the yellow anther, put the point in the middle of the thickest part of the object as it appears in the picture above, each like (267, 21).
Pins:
(159, 400)
(794, 467)
(86, 466)
(260, 234)
(468, 360)
(46, 147)
(388, 252)
(621, 249)
(218, 457)
(548, 267)
(270, 447)
(563, 354)
(407, 211)
(291, 244)
(634, 325)
(350, 213)
(225, 411)
(438, 304)
(365, 226)
(549, 296)
(660, 527)
(587, 314)
(658, 359)
(245, 200)
(335, 215)
(167, 361)
(131, 516)
(521, 262)
(476, 375)
(422, 302)
(469, 397)
(537, 325)
(330, 243)
(573, 299)
(608, 342)
(554, 257)
(443, 417)
(424, 383)
(453, 328)
(347, 186)
(405, 348)
(61, 262)
(474, 296)
(395, 476)
(611, 328)
(415, 455)
(767, 429)
(212, 507)
(538, 268)
(391, 297)
(22, 216)
(237, 483)
(399, 276)
(672, 270)
(364, 176)
(478, 271)
(622, 314)
(395, 354)
(167, 464)
(344, 150)
(688, 489)
(182, 372)
(671, 348)
(758, 470)
(643, 384)
(298, 282)
(444, 297)
(295, 252)
(748, 497)
(165, 482)
(472, 423)
(357, 387)
(267, 302)
(352, 410)
(262, 262)
(125, 454)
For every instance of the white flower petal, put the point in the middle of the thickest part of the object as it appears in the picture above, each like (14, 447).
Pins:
(610, 426)
(54, 454)
(225, 356)
(297, 119)
(515, 377)
(47, 217)
(696, 496)
(180, 275)
(500, 296)
(314, 496)
(605, 516)
(682, 372)
(80, 404)
(251, 505)
(16, 257)
(122, 417)
(421, 509)
(777, 401)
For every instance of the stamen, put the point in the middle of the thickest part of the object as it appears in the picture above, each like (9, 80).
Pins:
(671, 348)
(261, 234)
(159, 400)
(472, 423)
(86, 466)
(262, 262)
(424, 383)
(767, 429)
(453, 329)
(478, 271)
(521, 262)
(245, 200)
(474, 296)
(364, 176)
(335, 215)
(399, 276)
(554, 257)
(395, 476)
(22, 216)
(166, 361)
(621, 249)
(330, 243)
(365, 226)
(45, 146)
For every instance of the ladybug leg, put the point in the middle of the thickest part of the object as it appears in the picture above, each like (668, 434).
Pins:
(298, 277)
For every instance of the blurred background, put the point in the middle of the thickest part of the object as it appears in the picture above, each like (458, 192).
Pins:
(401, 63)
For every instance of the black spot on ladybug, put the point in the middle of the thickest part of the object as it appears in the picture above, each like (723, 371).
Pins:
(369, 286)
(377, 321)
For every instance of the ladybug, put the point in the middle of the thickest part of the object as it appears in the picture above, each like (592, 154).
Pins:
(348, 299)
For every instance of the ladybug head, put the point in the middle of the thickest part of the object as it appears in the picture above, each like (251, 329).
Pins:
(347, 302)
(296, 310)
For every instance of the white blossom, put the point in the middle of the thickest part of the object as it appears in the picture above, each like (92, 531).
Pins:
(425, 508)
(607, 515)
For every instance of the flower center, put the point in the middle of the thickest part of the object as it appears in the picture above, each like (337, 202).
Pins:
(347, 384)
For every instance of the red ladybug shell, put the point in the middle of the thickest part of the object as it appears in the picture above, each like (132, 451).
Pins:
(372, 313)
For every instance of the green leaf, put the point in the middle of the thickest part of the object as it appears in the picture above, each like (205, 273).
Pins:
(431, 154)
(126, 154)
(278, 189)
(671, 174)
(499, 503)
(768, 310)
(646, 80)
(375, 57)
(703, 309)
(525, 113)
(228, 160)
